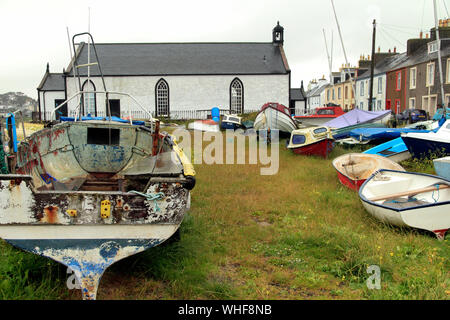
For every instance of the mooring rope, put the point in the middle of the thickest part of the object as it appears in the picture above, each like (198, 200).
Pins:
(151, 197)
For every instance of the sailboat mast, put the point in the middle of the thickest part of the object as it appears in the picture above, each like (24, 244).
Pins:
(343, 49)
(328, 56)
(372, 67)
(439, 57)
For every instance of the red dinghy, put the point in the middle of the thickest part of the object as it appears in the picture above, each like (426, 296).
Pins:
(354, 168)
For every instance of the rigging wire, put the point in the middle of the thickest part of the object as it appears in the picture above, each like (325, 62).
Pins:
(446, 10)
(391, 37)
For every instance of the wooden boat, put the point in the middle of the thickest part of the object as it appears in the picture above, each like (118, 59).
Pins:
(320, 116)
(442, 167)
(204, 125)
(354, 168)
(408, 199)
(231, 121)
(394, 150)
(311, 141)
(90, 193)
(422, 145)
(274, 116)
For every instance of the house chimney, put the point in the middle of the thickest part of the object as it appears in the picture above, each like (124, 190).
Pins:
(389, 51)
(421, 34)
(395, 49)
(379, 49)
(427, 35)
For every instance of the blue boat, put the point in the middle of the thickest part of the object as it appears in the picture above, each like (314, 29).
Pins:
(363, 134)
(422, 145)
(442, 167)
(395, 150)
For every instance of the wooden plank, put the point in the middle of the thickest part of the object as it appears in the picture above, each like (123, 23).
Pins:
(409, 193)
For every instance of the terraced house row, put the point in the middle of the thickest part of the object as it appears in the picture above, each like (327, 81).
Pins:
(400, 80)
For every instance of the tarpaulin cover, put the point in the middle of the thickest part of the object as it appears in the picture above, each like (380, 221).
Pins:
(355, 116)
(117, 119)
(363, 134)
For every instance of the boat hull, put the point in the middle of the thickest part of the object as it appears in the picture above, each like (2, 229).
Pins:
(354, 169)
(273, 119)
(442, 167)
(353, 184)
(320, 148)
(87, 250)
(394, 150)
(421, 212)
(422, 148)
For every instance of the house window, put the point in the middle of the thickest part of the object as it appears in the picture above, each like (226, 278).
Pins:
(412, 78)
(162, 98)
(412, 103)
(346, 93)
(429, 104)
(379, 105)
(447, 99)
(328, 94)
(361, 89)
(380, 85)
(333, 96)
(89, 98)
(430, 74)
(361, 105)
(432, 46)
(339, 93)
(398, 84)
(237, 96)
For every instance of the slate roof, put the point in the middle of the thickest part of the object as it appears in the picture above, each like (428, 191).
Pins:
(118, 59)
(402, 60)
(297, 94)
(52, 82)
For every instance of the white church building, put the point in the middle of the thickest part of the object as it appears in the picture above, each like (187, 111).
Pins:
(174, 80)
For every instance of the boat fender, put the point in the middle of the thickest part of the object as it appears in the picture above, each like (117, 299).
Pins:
(190, 183)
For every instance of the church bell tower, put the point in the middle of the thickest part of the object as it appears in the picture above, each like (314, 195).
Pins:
(278, 34)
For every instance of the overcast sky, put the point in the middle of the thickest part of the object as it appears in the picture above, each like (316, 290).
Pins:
(34, 32)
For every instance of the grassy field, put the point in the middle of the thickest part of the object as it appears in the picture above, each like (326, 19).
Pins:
(298, 234)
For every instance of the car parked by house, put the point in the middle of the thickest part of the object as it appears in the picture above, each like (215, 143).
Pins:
(412, 116)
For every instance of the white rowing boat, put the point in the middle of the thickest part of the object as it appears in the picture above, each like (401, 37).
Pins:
(408, 199)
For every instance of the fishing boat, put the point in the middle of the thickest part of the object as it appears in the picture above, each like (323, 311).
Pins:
(357, 118)
(442, 167)
(274, 116)
(311, 141)
(394, 150)
(208, 125)
(354, 168)
(422, 145)
(88, 193)
(320, 116)
(408, 199)
(231, 121)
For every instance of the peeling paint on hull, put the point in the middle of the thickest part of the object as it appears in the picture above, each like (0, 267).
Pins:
(89, 205)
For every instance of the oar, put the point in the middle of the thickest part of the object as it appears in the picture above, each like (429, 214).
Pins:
(409, 193)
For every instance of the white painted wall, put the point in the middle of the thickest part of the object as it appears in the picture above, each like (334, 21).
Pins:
(47, 101)
(189, 92)
(380, 97)
(299, 107)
